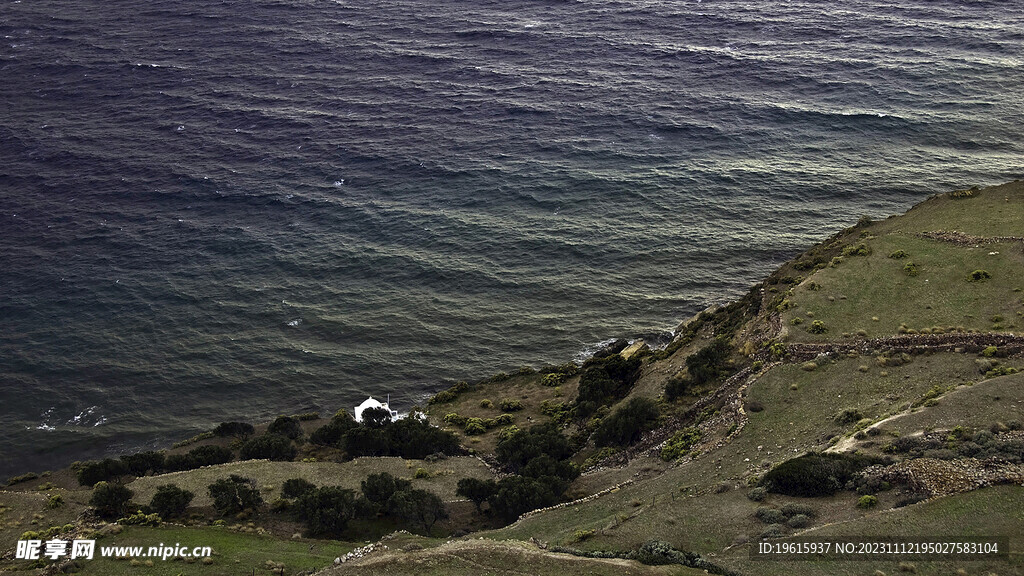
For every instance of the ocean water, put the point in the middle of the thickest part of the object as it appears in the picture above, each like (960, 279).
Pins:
(232, 210)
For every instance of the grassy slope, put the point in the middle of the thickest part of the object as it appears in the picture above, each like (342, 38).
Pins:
(863, 287)
(793, 421)
(445, 475)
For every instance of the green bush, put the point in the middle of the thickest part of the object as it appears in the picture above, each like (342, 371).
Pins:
(798, 521)
(605, 379)
(510, 405)
(170, 501)
(979, 276)
(867, 501)
(517, 448)
(858, 250)
(898, 254)
(140, 518)
(330, 434)
(474, 426)
(680, 443)
(770, 515)
(110, 499)
(54, 501)
(234, 494)
(296, 487)
(757, 494)
(910, 269)
(813, 475)
(817, 327)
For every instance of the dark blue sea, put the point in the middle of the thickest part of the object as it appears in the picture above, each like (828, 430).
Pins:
(236, 209)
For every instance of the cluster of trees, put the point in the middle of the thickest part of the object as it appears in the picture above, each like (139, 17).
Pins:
(539, 457)
(327, 510)
(113, 500)
(627, 423)
(378, 435)
(150, 462)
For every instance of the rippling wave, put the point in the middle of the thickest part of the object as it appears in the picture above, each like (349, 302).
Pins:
(232, 210)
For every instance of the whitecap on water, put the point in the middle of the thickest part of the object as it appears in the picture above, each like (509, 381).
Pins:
(295, 322)
(339, 183)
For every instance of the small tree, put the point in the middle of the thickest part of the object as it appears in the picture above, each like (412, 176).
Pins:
(170, 501)
(210, 455)
(296, 487)
(376, 417)
(233, 494)
(327, 510)
(378, 488)
(625, 425)
(418, 506)
(111, 499)
(478, 491)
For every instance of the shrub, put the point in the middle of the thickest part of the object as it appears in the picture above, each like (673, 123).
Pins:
(979, 276)
(296, 487)
(140, 518)
(474, 426)
(814, 475)
(794, 509)
(241, 429)
(798, 521)
(848, 416)
(421, 474)
(627, 423)
(910, 269)
(867, 501)
(110, 499)
(581, 535)
(170, 501)
(509, 405)
(269, 446)
(90, 473)
(449, 395)
(898, 254)
(774, 531)
(757, 494)
(770, 515)
(817, 327)
(680, 443)
(234, 494)
(552, 379)
(409, 438)
(54, 501)
(861, 249)
(486, 404)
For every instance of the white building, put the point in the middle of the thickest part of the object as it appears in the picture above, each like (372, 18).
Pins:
(372, 403)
